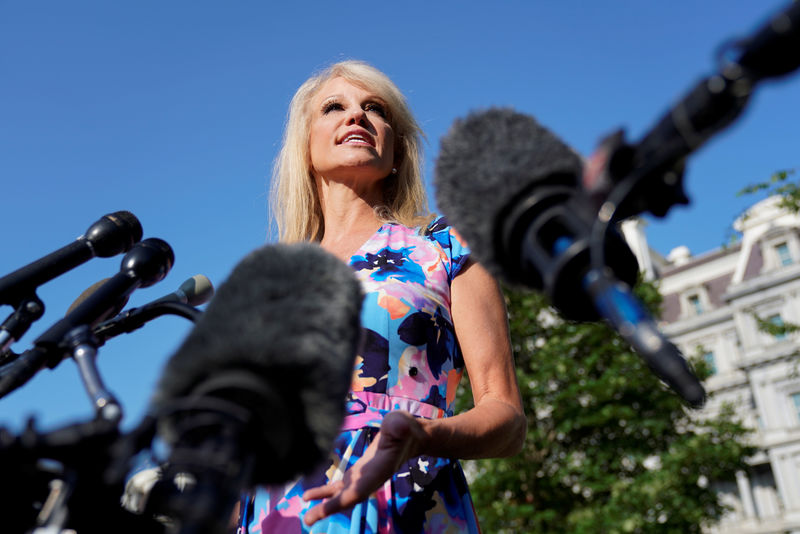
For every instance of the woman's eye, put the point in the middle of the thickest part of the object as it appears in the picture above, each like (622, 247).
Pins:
(331, 106)
(376, 108)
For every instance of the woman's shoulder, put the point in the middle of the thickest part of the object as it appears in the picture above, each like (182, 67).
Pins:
(440, 229)
(440, 232)
(437, 231)
(437, 224)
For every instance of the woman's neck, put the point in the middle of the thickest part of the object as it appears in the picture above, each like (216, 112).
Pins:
(349, 217)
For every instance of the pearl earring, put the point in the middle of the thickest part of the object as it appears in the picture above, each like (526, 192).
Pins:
(394, 171)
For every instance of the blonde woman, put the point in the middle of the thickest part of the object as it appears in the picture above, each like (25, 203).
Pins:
(348, 177)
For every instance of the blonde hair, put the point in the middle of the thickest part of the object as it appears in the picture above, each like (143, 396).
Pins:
(294, 199)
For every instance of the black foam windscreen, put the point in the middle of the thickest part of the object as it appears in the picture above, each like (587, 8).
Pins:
(486, 162)
(278, 341)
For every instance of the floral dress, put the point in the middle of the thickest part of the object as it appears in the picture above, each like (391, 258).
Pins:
(410, 361)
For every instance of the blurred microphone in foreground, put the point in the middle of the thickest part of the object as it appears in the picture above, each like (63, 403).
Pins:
(255, 394)
(510, 187)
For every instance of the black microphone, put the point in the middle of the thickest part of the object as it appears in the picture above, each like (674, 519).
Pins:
(256, 392)
(112, 234)
(774, 49)
(118, 306)
(510, 187)
(146, 263)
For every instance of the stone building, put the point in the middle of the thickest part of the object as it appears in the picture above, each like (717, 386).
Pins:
(712, 304)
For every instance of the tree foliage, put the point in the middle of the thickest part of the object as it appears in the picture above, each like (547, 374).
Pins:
(778, 184)
(789, 193)
(609, 448)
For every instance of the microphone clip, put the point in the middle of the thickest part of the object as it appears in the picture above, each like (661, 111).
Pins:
(635, 182)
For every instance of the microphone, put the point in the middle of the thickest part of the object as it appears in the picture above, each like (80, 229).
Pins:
(510, 188)
(146, 263)
(773, 50)
(194, 291)
(256, 392)
(90, 291)
(112, 234)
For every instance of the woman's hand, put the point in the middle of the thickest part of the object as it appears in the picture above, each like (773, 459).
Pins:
(399, 439)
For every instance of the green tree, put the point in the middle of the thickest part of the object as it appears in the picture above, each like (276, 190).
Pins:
(789, 193)
(778, 184)
(609, 448)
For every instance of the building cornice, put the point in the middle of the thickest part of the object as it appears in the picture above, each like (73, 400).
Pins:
(783, 351)
(692, 324)
(762, 282)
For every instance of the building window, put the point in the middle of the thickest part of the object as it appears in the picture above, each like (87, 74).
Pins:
(708, 357)
(695, 304)
(784, 256)
(777, 320)
(765, 492)
(796, 404)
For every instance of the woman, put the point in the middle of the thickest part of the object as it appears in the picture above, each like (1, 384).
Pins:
(348, 177)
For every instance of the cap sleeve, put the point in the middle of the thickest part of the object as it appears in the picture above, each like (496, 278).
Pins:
(455, 248)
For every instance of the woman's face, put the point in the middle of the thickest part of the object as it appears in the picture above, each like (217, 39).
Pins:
(350, 136)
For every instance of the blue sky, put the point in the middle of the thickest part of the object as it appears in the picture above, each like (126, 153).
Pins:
(174, 111)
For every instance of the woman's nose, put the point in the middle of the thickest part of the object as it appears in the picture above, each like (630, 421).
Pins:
(356, 116)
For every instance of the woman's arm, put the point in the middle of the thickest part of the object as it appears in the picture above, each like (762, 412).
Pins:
(494, 427)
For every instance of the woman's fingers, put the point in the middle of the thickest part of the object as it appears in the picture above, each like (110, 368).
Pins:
(341, 500)
(316, 513)
(323, 492)
(390, 448)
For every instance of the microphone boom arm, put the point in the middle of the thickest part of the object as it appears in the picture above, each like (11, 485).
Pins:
(653, 166)
(135, 318)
